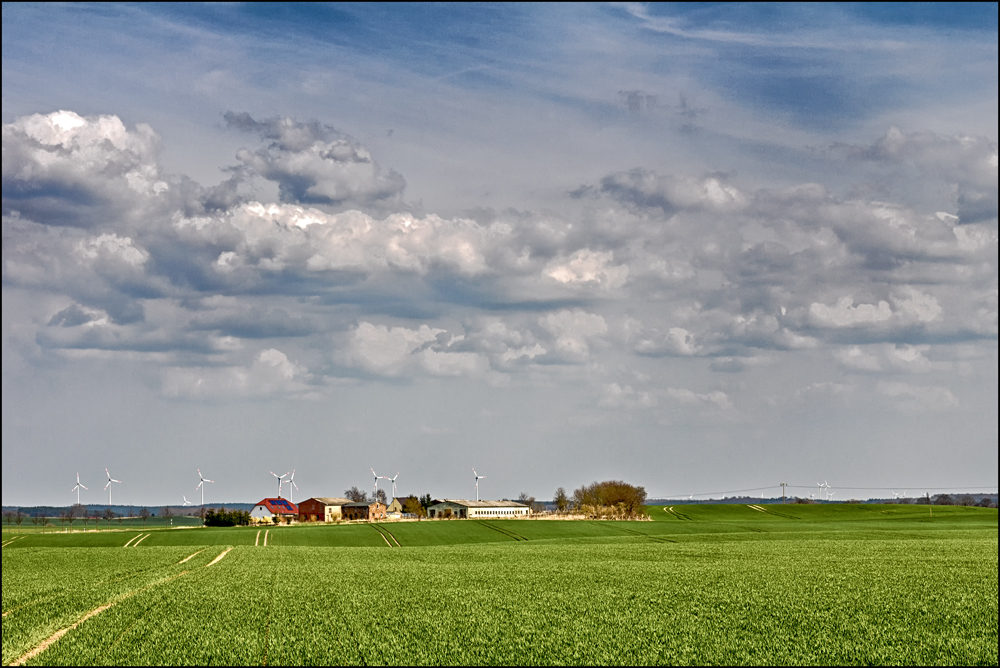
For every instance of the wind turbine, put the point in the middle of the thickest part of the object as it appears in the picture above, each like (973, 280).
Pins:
(108, 486)
(377, 476)
(895, 495)
(186, 502)
(393, 481)
(478, 477)
(291, 484)
(202, 486)
(281, 481)
(77, 489)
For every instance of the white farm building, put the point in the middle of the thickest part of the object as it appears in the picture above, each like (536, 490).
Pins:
(465, 509)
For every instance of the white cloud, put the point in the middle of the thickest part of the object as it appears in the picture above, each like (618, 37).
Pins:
(587, 266)
(845, 314)
(314, 164)
(113, 246)
(855, 358)
(716, 398)
(918, 398)
(270, 374)
(63, 168)
(574, 332)
(614, 395)
(386, 350)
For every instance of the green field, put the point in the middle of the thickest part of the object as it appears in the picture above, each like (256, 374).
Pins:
(714, 584)
(53, 525)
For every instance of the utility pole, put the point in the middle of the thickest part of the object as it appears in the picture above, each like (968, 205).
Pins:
(783, 492)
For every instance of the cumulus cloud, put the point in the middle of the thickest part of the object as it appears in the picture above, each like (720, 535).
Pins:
(574, 333)
(967, 162)
(145, 261)
(314, 164)
(65, 169)
(588, 267)
(670, 193)
(271, 373)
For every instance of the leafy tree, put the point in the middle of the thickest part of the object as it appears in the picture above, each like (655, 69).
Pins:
(561, 500)
(166, 513)
(110, 515)
(412, 506)
(356, 495)
(202, 514)
(381, 497)
(35, 519)
(612, 498)
(227, 518)
(42, 521)
(18, 519)
(71, 516)
(943, 500)
(967, 501)
(985, 502)
(425, 502)
(144, 514)
(8, 517)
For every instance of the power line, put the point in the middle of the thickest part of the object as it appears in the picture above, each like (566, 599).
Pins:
(982, 488)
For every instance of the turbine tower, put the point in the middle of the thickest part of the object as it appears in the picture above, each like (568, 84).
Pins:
(281, 481)
(202, 486)
(291, 485)
(77, 489)
(478, 478)
(108, 486)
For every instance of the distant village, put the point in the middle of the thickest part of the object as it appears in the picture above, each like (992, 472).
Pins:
(337, 509)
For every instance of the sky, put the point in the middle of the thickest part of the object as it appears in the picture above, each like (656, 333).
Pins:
(698, 247)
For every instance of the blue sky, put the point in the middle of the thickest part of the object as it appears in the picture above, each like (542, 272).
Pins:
(696, 246)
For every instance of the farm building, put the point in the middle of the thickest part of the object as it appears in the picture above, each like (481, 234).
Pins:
(363, 510)
(463, 508)
(398, 505)
(321, 509)
(268, 508)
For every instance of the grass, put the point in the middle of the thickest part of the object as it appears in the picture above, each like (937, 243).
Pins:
(847, 585)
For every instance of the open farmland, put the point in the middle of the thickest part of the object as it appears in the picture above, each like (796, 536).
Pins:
(702, 584)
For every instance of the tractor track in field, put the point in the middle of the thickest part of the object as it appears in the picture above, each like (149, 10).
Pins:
(681, 516)
(506, 532)
(52, 639)
(384, 537)
(186, 559)
(385, 532)
(658, 539)
(219, 558)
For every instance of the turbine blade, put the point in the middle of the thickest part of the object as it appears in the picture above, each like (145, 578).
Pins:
(108, 485)
(85, 487)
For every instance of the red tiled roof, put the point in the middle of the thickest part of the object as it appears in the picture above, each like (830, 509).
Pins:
(279, 506)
